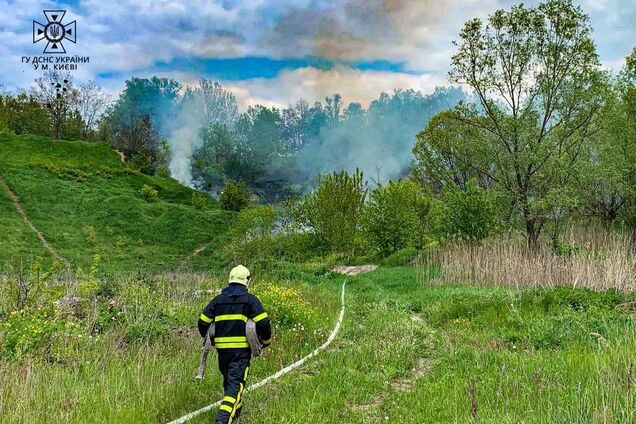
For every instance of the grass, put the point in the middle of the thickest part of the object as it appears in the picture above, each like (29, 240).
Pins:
(410, 350)
(139, 367)
(86, 202)
(407, 352)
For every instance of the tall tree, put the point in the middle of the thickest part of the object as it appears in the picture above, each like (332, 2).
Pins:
(57, 93)
(535, 74)
(91, 102)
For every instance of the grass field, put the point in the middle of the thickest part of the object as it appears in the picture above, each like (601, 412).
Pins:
(411, 350)
(86, 202)
(406, 353)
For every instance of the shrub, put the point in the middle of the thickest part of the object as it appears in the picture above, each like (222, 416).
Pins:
(469, 215)
(142, 162)
(163, 171)
(199, 200)
(255, 222)
(149, 194)
(234, 196)
(395, 215)
(334, 209)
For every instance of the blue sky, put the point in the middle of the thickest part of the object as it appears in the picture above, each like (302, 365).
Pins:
(276, 51)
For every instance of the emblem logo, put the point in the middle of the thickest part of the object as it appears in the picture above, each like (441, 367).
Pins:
(54, 32)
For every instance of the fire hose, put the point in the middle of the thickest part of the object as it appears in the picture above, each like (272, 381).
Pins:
(272, 377)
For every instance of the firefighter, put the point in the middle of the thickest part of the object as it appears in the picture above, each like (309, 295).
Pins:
(229, 311)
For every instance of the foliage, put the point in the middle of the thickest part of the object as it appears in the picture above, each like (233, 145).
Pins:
(200, 200)
(148, 193)
(469, 215)
(334, 210)
(394, 216)
(255, 222)
(535, 74)
(402, 257)
(285, 306)
(163, 171)
(234, 196)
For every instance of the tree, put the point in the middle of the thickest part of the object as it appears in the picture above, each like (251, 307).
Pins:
(468, 214)
(334, 209)
(210, 160)
(393, 218)
(56, 92)
(140, 117)
(536, 78)
(23, 114)
(91, 103)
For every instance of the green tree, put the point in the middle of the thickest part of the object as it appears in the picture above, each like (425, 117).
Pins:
(234, 196)
(470, 214)
(335, 208)
(535, 75)
(610, 174)
(25, 115)
(394, 216)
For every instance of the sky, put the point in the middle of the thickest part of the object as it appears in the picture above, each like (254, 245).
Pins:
(274, 52)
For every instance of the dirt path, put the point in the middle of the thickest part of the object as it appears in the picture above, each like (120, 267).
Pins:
(185, 261)
(353, 270)
(16, 202)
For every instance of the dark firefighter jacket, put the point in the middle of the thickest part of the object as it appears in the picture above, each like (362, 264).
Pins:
(230, 311)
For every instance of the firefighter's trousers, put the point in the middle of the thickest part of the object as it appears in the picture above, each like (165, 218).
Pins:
(234, 366)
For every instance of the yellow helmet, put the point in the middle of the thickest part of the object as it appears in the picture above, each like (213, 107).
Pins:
(240, 274)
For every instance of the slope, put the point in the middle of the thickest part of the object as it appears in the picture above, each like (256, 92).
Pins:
(86, 202)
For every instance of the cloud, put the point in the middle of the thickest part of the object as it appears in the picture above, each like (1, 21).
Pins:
(315, 84)
(135, 37)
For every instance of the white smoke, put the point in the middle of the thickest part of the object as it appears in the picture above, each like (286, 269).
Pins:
(202, 107)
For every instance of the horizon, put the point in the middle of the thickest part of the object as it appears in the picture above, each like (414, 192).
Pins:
(274, 53)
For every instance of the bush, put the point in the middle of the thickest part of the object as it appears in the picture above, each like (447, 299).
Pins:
(395, 215)
(234, 196)
(149, 194)
(199, 200)
(469, 215)
(334, 210)
(163, 171)
(255, 222)
(142, 162)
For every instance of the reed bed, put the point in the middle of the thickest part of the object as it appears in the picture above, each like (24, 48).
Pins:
(595, 259)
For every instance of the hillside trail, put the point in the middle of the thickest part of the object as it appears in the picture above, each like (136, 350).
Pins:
(185, 261)
(341, 269)
(16, 203)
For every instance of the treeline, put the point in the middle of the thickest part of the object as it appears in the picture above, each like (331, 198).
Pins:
(275, 152)
(198, 136)
(55, 107)
(549, 139)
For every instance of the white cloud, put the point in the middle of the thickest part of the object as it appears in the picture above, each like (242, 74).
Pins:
(315, 84)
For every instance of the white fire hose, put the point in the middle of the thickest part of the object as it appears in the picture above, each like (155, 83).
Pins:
(272, 377)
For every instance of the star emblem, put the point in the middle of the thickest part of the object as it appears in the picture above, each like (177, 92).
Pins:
(54, 31)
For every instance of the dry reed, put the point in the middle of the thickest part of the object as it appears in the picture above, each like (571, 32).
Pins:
(596, 259)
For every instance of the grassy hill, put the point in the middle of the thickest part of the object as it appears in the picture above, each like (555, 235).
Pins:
(85, 201)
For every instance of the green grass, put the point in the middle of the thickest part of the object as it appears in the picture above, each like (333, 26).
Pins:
(406, 353)
(66, 188)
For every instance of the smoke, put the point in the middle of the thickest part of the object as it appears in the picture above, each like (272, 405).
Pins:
(377, 140)
(183, 140)
(204, 106)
